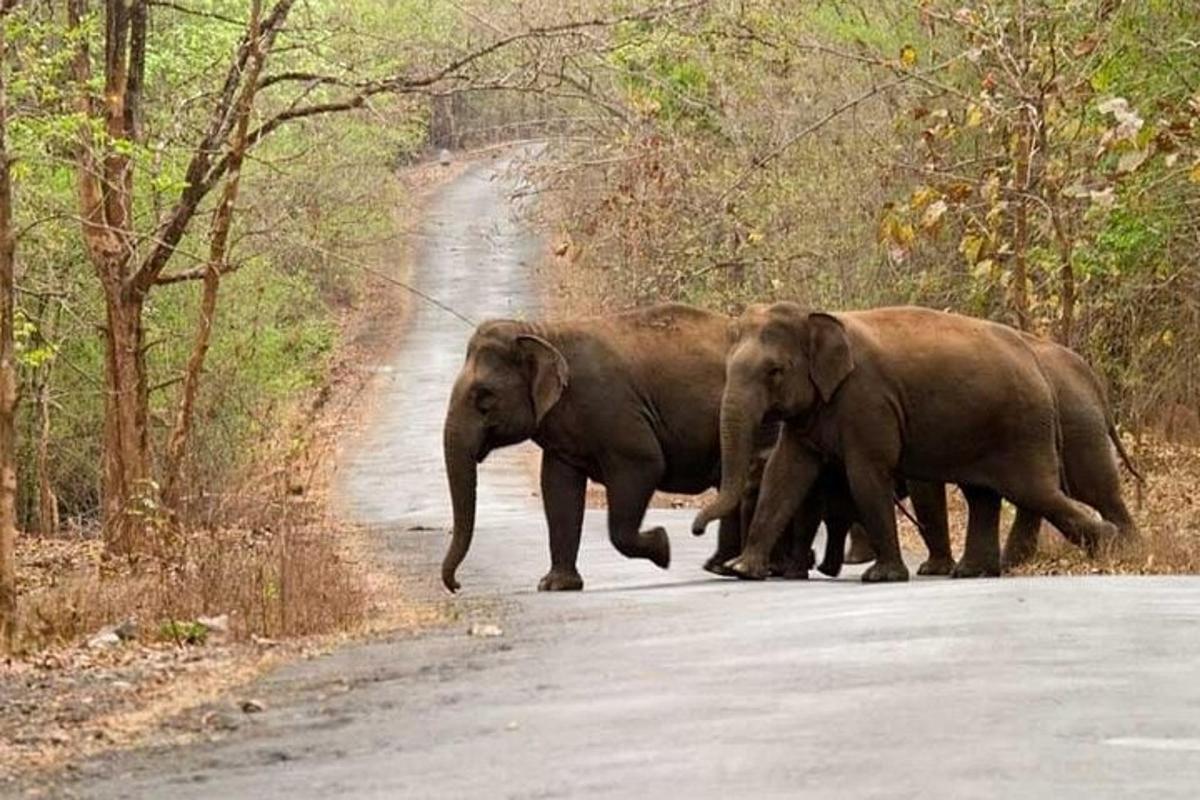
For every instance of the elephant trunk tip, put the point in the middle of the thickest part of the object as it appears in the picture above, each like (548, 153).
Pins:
(449, 581)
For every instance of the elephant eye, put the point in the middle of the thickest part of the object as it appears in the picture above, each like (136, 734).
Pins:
(775, 371)
(485, 399)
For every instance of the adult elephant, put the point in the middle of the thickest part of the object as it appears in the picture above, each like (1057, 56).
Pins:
(631, 401)
(929, 395)
(1090, 449)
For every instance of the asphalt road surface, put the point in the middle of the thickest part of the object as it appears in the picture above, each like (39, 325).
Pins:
(677, 684)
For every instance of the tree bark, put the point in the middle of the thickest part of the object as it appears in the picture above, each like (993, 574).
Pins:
(127, 483)
(8, 376)
(47, 514)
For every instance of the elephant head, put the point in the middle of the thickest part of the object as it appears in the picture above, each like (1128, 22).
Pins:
(785, 362)
(511, 379)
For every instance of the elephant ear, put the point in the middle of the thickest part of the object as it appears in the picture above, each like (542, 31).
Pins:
(549, 372)
(829, 356)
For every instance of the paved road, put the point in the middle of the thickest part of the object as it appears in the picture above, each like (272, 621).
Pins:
(653, 684)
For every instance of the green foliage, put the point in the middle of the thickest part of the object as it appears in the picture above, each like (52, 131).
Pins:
(320, 185)
(183, 632)
(1033, 162)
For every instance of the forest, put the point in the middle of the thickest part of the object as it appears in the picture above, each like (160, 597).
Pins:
(198, 199)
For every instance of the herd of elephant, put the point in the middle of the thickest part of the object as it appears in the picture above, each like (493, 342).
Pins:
(798, 418)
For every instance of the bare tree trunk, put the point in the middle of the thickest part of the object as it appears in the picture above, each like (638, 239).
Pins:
(218, 241)
(127, 483)
(47, 499)
(105, 184)
(8, 376)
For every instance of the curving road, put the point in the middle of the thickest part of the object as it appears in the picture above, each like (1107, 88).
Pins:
(652, 684)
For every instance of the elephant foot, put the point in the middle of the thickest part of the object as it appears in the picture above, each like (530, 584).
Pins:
(974, 569)
(792, 568)
(560, 581)
(657, 546)
(883, 572)
(790, 571)
(830, 569)
(748, 567)
(860, 551)
(1016, 556)
(1102, 539)
(716, 565)
(937, 565)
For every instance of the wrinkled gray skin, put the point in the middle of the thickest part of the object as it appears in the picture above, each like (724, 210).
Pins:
(630, 401)
(932, 396)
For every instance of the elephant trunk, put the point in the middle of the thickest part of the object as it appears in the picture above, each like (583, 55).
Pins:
(459, 448)
(741, 415)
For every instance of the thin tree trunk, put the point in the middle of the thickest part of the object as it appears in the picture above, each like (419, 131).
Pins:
(1066, 274)
(218, 251)
(8, 376)
(47, 499)
(128, 489)
(1021, 180)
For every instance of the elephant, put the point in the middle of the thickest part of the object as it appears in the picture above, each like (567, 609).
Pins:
(1090, 447)
(631, 401)
(928, 395)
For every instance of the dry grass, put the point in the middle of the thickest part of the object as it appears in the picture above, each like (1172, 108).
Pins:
(272, 584)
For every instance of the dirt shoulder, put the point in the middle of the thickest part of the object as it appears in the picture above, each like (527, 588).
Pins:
(115, 686)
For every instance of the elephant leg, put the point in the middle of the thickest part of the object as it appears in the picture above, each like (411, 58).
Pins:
(563, 490)
(1094, 478)
(872, 487)
(860, 551)
(790, 473)
(792, 556)
(836, 528)
(802, 532)
(929, 507)
(981, 556)
(629, 490)
(729, 544)
(1022, 541)
(1069, 516)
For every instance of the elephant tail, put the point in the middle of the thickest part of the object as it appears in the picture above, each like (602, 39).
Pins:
(1127, 461)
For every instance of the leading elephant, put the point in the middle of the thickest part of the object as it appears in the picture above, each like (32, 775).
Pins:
(631, 401)
(929, 395)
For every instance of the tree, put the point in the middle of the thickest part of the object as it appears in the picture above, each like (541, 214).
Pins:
(130, 263)
(8, 369)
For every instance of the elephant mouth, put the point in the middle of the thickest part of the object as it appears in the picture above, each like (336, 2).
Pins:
(494, 440)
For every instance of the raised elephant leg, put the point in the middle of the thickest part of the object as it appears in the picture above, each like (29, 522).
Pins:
(872, 487)
(790, 474)
(1094, 478)
(1070, 517)
(981, 556)
(629, 489)
(563, 490)
(1022, 542)
(929, 507)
